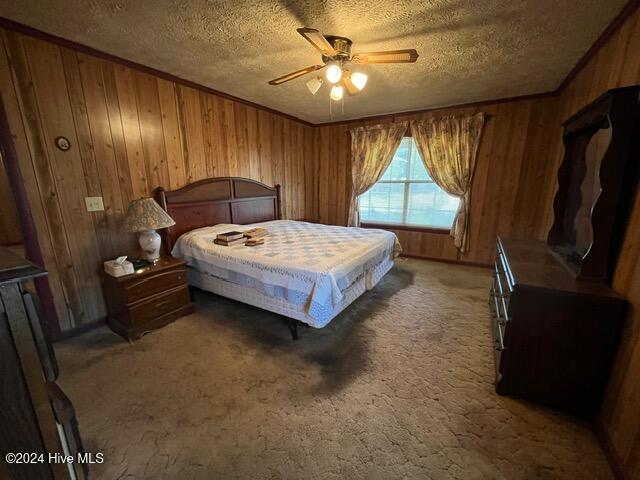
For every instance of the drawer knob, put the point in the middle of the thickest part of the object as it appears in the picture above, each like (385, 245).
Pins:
(161, 304)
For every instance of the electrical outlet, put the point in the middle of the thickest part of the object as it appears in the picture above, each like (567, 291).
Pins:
(94, 204)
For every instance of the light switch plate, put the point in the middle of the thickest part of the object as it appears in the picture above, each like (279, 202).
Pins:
(94, 204)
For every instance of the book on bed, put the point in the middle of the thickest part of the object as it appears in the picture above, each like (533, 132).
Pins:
(254, 241)
(256, 232)
(231, 243)
(230, 236)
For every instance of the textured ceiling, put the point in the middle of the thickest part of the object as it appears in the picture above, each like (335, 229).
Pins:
(470, 50)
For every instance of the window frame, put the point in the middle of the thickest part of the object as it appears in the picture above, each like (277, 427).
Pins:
(404, 225)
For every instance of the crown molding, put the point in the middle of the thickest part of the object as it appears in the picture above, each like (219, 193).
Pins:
(63, 42)
(386, 116)
(614, 25)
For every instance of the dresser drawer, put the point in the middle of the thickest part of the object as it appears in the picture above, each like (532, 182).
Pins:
(151, 284)
(145, 312)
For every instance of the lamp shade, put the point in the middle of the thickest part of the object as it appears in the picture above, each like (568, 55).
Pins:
(336, 92)
(334, 73)
(145, 214)
(314, 85)
(359, 80)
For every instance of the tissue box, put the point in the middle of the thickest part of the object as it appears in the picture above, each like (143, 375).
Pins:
(115, 269)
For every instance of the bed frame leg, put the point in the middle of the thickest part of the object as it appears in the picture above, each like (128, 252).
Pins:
(293, 327)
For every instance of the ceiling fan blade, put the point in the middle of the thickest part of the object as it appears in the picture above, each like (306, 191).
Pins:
(296, 74)
(390, 56)
(315, 38)
(348, 84)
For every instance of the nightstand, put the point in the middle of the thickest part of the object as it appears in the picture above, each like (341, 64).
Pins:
(148, 299)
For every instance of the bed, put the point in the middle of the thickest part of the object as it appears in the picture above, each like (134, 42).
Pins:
(307, 272)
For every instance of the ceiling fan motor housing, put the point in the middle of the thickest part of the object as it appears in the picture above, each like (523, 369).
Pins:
(342, 45)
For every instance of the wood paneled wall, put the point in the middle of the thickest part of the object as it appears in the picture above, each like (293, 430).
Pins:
(509, 187)
(9, 225)
(130, 133)
(617, 64)
(512, 195)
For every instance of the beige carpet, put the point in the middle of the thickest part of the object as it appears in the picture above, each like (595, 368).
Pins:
(398, 386)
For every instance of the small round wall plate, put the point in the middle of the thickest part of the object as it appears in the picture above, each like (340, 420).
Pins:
(63, 143)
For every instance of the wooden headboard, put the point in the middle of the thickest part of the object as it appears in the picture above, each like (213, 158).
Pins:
(217, 200)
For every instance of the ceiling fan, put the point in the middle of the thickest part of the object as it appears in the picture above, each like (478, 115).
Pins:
(336, 54)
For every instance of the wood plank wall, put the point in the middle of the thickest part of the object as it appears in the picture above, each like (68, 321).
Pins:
(617, 64)
(512, 195)
(130, 133)
(511, 173)
(9, 225)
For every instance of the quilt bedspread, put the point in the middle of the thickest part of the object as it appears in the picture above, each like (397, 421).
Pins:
(306, 263)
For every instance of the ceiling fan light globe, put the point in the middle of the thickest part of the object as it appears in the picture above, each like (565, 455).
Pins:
(314, 85)
(359, 80)
(336, 93)
(334, 73)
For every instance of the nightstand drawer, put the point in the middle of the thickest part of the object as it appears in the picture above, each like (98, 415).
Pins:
(148, 299)
(144, 312)
(156, 283)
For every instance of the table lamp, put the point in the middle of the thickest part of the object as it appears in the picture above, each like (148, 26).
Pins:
(145, 216)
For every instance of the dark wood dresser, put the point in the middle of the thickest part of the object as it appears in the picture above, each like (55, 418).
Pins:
(36, 417)
(148, 299)
(556, 320)
(555, 337)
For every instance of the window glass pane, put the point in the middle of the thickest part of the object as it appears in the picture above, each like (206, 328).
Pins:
(398, 169)
(383, 203)
(418, 170)
(427, 204)
(431, 206)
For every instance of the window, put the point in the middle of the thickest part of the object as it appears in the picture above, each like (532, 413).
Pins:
(407, 195)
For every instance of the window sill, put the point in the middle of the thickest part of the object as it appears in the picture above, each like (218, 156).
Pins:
(404, 226)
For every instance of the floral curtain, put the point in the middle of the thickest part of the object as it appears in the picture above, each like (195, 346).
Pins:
(449, 149)
(372, 149)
